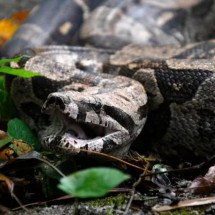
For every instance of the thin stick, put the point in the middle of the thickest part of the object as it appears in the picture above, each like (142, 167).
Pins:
(108, 156)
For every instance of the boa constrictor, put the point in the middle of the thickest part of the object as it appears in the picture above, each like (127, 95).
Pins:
(94, 107)
(88, 103)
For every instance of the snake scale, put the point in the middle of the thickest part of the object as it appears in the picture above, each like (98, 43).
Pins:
(153, 78)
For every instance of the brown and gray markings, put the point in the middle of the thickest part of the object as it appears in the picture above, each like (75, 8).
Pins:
(85, 88)
(149, 22)
(179, 89)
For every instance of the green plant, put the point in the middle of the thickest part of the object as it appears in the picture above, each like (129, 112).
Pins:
(92, 182)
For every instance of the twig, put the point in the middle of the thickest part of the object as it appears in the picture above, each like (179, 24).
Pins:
(108, 156)
(18, 201)
(136, 183)
(51, 165)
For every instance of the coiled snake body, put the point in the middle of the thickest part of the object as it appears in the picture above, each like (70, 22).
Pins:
(88, 103)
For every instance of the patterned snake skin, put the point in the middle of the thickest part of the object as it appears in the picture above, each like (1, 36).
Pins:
(151, 77)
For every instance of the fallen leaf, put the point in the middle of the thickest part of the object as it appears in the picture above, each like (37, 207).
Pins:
(204, 185)
(9, 183)
(9, 26)
(20, 147)
(7, 154)
(185, 203)
(20, 16)
(4, 139)
(18, 129)
(3, 135)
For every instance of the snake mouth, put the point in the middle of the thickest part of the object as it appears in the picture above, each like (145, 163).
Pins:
(76, 135)
(76, 126)
(85, 131)
(79, 133)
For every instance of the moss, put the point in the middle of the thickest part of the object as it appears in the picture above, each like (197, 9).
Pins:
(185, 211)
(109, 205)
(116, 201)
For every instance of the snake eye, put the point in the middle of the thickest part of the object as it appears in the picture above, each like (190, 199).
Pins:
(26, 55)
(28, 51)
(97, 107)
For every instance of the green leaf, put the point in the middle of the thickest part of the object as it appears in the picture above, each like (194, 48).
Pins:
(5, 141)
(92, 182)
(20, 130)
(18, 72)
(16, 59)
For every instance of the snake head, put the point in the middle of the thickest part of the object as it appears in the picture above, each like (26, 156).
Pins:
(95, 121)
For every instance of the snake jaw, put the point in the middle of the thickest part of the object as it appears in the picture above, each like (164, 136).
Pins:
(75, 131)
(104, 118)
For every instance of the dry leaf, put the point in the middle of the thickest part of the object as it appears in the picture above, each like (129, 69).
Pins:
(204, 185)
(3, 135)
(9, 183)
(185, 203)
(14, 149)
(20, 147)
(7, 154)
(9, 26)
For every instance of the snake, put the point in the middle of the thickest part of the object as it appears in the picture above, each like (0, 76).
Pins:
(153, 79)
